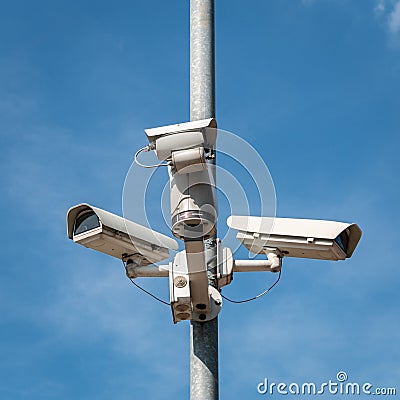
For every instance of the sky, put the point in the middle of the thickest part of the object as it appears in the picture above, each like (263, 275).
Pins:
(312, 85)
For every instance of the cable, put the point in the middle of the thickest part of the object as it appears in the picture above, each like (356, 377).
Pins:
(147, 292)
(255, 297)
(150, 294)
(224, 297)
(147, 166)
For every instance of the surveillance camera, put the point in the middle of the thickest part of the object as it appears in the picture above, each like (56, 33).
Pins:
(116, 236)
(189, 135)
(193, 204)
(304, 238)
(187, 147)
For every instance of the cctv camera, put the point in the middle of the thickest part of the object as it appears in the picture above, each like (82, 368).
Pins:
(188, 135)
(304, 238)
(116, 236)
(192, 185)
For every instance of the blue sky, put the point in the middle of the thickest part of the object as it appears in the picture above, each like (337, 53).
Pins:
(312, 84)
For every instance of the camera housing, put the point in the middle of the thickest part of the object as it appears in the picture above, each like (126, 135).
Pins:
(293, 237)
(118, 237)
(189, 148)
(187, 135)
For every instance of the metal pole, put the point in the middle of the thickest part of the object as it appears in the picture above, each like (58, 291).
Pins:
(202, 60)
(203, 335)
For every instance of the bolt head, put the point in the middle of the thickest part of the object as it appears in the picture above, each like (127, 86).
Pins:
(180, 281)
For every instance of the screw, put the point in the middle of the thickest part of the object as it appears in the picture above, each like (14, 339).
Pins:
(180, 281)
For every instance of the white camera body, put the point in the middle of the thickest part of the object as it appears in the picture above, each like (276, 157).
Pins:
(188, 135)
(292, 237)
(118, 237)
(187, 146)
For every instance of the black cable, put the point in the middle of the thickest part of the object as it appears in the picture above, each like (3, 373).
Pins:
(255, 297)
(224, 297)
(147, 292)
(150, 294)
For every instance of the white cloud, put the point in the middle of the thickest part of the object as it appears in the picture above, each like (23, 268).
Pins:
(394, 19)
(387, 13)
(380, 7)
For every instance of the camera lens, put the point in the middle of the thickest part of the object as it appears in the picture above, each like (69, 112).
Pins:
(86, 222)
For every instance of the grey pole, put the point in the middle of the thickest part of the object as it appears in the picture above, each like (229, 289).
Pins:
(202, 60)
(203, 335)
